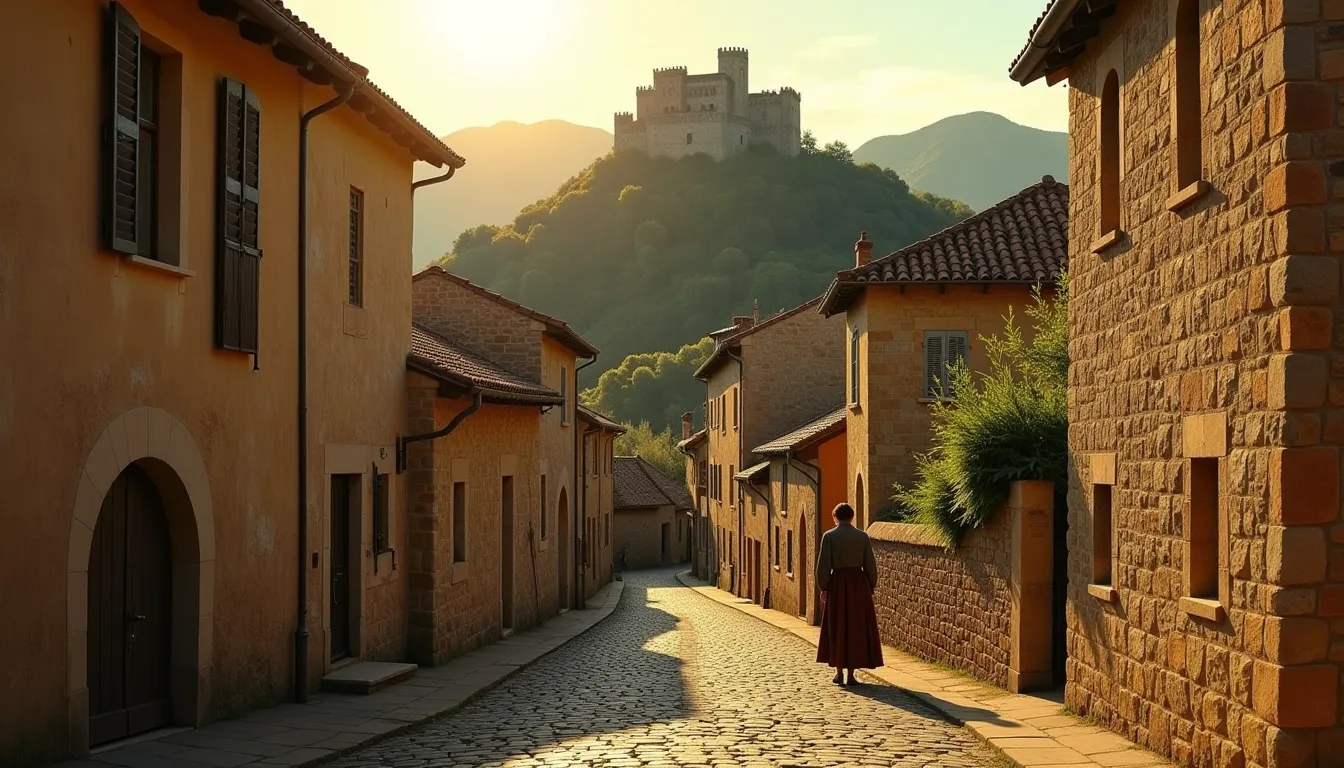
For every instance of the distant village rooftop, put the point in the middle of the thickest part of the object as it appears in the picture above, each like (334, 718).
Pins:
(557, 329)
(639, 485)
(1022, 240)
(731, 340)
(469, 373)
(294, 42)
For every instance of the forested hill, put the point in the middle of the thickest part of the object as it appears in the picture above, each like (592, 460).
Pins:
(645, 254)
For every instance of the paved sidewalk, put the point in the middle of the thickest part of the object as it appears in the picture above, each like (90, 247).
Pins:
(1030, 730)
(333, 723)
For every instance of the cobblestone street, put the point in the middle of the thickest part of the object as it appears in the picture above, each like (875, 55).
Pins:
(675, 679)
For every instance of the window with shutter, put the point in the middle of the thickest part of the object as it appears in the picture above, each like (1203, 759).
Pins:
(123, 225)
(854, 366)
(238, 262)
(356, 248)
(943, 351)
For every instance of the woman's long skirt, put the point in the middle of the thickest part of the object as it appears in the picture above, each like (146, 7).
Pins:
(849, 638)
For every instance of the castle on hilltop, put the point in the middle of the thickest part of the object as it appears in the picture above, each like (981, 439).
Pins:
(716, 114)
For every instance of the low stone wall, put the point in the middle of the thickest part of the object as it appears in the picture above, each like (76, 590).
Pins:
(954, 608)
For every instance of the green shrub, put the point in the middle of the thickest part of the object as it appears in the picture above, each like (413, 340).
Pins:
(1010, 423)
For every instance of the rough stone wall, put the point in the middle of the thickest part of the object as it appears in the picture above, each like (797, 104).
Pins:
(780, 395)
(775, 119)
(723, 451)
(490, 329)
(638, 538)
(456, 606)
(1224, 310)
(793, 573)
(892, 422)
(708, 132)
(558, 427)
(954, 608)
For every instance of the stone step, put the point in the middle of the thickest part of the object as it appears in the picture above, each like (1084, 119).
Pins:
(367, 676)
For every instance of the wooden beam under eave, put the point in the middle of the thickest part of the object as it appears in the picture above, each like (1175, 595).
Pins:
(361, 104)
(1055, 76)
(318, 75)
(224, 9)
(256, 32)
(292, 56)
(404, 140)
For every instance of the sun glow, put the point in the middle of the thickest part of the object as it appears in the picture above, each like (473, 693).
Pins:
(503, 37)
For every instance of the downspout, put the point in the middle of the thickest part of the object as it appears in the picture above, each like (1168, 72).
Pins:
(816, 529)
(301, 633)
(580, 493)
(741, 429)
(434, 180)
(453, 424)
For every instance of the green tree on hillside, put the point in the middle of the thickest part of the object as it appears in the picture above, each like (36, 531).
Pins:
(657, 448)
(653, 387)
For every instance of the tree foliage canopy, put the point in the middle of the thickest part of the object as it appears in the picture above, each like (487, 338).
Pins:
(656, 387)
(1008, 424)
(657, 448)
(641, 253)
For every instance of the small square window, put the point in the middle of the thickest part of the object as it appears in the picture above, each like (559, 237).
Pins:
(1102, 535)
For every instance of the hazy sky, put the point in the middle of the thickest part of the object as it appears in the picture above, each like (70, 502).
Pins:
(864, 67)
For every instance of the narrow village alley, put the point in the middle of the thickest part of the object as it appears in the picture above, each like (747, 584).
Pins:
(675, 679)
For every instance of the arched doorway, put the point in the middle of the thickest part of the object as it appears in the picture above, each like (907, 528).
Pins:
(130, 611)
(804, 565)
(562, 562)
(860, 512)
(140, 582)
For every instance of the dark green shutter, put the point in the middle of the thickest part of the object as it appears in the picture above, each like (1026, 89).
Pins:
(238, 262)
(122, 228)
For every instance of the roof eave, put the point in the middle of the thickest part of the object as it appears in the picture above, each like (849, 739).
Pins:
(488, 394)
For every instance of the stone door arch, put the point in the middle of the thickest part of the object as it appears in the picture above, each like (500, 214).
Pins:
(158, 445)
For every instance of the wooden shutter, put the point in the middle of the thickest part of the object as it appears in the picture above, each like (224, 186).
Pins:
(122, 228)
(238, 263)
(934, 359)
(957, 344)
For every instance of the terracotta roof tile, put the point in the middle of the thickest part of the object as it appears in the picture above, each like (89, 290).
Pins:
(1024, 239)
(638, 484)
(593, 417)
(558, 329)
(809, 433)
(436, 356)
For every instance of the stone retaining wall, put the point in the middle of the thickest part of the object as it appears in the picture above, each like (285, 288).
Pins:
(954, 608)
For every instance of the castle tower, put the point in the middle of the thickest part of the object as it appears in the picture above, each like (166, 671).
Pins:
(733, 62)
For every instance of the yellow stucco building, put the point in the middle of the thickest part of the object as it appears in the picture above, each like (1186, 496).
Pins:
(204, 244)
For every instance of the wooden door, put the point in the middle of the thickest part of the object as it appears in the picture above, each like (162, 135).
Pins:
(130, 612)
(342, 491)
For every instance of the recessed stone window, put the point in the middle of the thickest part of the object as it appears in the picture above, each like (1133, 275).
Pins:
(1202, 530)
(1189, 125)
(1103, 528)
(1110, 154)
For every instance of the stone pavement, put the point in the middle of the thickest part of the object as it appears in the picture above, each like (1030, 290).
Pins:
(677, 680)
(304, 734)
(1029, 729)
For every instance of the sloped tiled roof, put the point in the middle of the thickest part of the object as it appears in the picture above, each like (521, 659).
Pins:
(639, 485)
(593, 417)
(436, 356)
(752, 471)
(693, 439)
(281, 20)
(1024, 240)
(734, 341)
(558, 329)
(812, 432)
(1059, 35)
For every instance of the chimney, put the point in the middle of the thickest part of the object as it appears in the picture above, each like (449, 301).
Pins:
(686, 422)
(755, 311)
(863, 251)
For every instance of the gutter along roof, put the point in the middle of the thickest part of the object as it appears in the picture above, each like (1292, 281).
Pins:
(462, 369)
(811, 433)
(291, 40)
(1023, 240)
(1059, 35)
(734, 342)
(557, 329)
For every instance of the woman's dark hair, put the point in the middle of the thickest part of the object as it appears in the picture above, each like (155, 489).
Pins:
(843, 512)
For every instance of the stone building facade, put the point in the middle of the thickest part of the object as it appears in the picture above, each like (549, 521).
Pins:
(704, 552)
(754, 393)
(1207, 392)
(597, 499)
(912, 314)
(653, 517)
(714, 114)
(155, 424)
(806, 479)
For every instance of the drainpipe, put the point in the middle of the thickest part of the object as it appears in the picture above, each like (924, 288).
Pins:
(301, 631)
(435, 180)
(581, 475)
(453, 424)
(815, 530)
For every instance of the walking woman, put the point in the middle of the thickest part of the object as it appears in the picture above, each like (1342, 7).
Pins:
(847, 575)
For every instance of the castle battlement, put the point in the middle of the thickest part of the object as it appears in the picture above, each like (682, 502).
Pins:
(786, 90)
(713, 113)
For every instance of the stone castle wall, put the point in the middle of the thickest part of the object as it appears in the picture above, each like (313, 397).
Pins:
(1211, 333)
